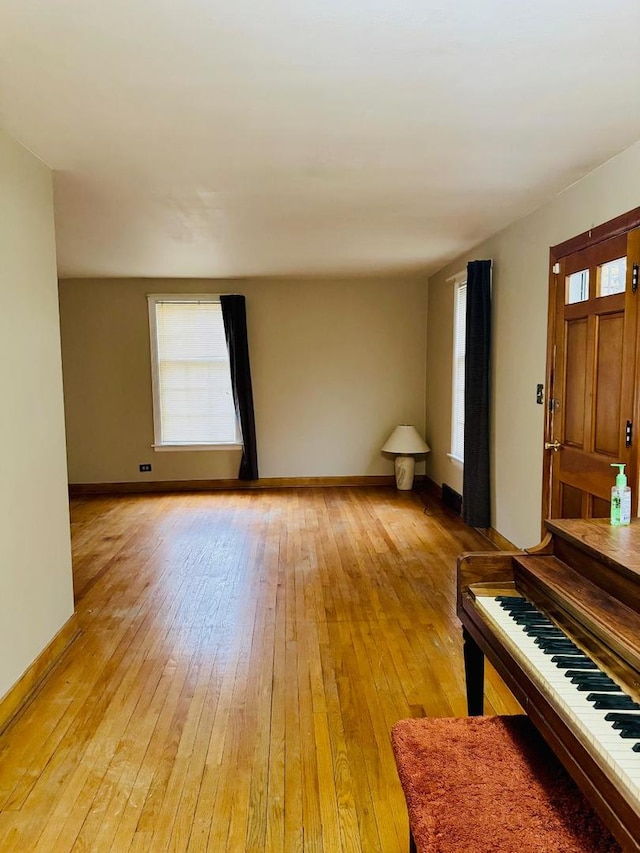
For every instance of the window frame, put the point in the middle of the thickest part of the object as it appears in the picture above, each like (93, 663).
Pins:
(153, 299)
(458, 340)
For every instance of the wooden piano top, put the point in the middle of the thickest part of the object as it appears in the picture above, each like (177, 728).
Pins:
(617, 547)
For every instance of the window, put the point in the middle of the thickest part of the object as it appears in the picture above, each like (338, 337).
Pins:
(612, 277)
(192, 398)
(577, 287)
(459, 331)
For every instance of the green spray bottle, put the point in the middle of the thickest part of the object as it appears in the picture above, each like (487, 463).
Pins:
(620, 498)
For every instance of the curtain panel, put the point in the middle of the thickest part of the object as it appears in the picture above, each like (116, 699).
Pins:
(234, 318)
(476, 487)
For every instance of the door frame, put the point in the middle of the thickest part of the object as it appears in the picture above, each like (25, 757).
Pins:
(613, 228)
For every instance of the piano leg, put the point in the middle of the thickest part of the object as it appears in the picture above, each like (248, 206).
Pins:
(474, 675)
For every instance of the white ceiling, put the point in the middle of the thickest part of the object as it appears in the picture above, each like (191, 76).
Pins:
(239, 137)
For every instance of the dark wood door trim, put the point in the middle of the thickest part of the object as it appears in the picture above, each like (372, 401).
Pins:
(548, 401)
(613, 228)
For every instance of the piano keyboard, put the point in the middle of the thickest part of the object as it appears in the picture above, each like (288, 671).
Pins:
(604, 717)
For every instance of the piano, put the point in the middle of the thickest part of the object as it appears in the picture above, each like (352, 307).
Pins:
(561, 624)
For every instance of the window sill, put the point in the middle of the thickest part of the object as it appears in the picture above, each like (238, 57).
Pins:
(456, 458)
(171, 447)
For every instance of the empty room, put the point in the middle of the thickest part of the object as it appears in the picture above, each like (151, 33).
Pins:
(319, 354)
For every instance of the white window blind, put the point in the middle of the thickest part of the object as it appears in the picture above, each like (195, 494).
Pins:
(457, 415)
(193, 400)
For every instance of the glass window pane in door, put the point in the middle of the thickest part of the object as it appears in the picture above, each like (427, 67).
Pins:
(577, 288)
(612, 277)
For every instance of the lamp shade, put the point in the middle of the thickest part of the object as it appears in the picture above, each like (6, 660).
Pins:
(405, 440)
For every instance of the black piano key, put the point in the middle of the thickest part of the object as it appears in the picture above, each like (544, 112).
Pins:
(525, 610)
(551, 646)
(534, 618)
(586, 674)
(594, 680)
(636, 747)
(613, 702)
(560, 639)
(629, 733)
(621, 716)
(522, 617)
(543, 629)
(521, 610)
(580, 661)
(627, 725)
(541, 641)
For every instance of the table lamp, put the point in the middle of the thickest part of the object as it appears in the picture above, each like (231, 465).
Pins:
(406, 442)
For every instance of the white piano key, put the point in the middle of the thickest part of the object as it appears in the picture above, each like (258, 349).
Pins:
(614, 753)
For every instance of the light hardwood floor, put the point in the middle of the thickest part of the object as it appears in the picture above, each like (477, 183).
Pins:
(242, 659)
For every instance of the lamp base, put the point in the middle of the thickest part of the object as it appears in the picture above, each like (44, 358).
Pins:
(405, 467)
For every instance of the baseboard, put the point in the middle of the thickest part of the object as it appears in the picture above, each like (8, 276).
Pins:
(431, 487)
(18, 696)
(499, 540)
(451, 499)
(84, 489)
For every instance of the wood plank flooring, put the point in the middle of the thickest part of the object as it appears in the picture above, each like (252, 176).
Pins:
(242, 659)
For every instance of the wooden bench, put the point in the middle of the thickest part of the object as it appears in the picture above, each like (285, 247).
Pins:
(490, 785)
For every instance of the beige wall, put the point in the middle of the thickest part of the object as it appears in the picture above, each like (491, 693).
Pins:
(336, 364)
(36, 595)
(520, 280)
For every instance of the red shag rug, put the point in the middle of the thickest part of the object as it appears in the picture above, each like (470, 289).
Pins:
(491, 785)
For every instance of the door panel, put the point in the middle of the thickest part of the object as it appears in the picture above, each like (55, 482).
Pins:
(593, 375)
(576, 332)
(571, 502)
(609, 367)
(600, 508)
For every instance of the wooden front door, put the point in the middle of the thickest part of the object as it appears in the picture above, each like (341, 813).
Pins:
(592, 375)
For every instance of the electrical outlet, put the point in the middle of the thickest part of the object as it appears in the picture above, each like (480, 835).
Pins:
(145, 467)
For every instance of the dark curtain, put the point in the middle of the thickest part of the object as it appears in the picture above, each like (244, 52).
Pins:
(234, 317)
(476, 493)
